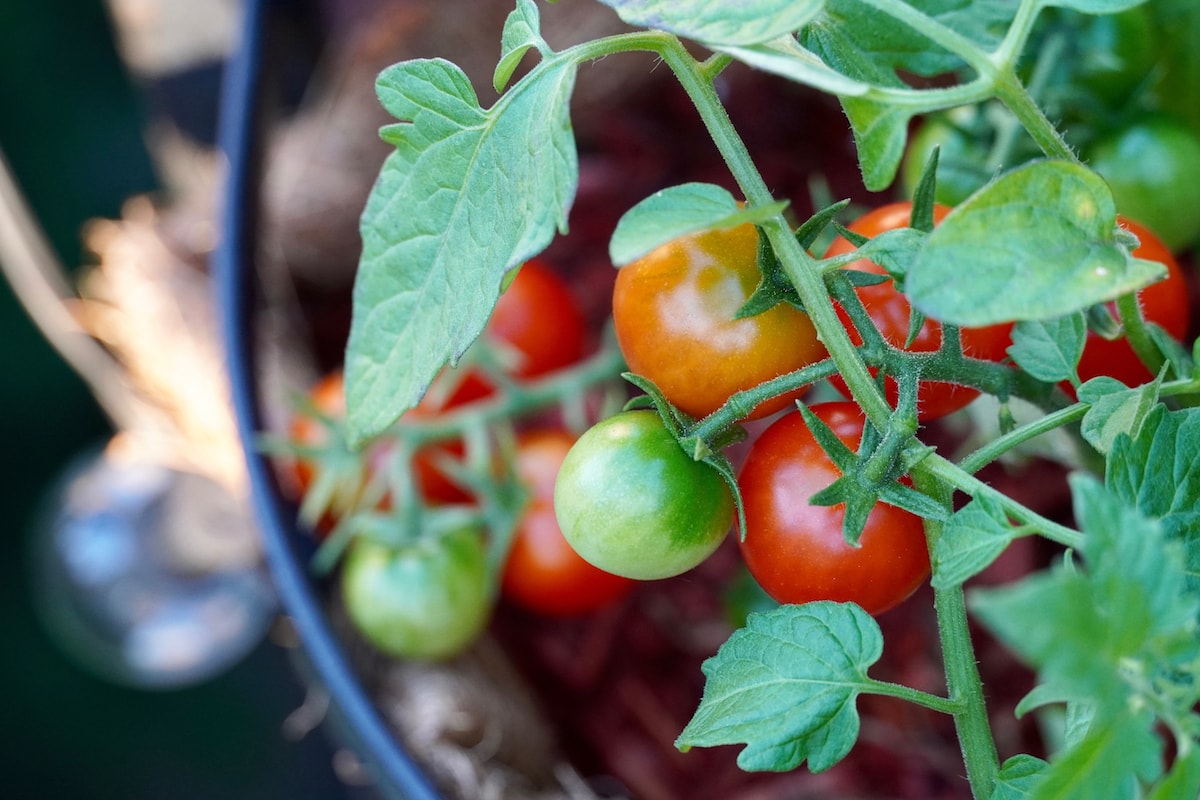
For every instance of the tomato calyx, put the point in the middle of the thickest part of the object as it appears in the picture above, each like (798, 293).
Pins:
(872, 474)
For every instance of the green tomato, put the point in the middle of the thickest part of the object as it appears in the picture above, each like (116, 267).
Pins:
(633, 503)
(962, 157)
(1153, 169)
(426, 600)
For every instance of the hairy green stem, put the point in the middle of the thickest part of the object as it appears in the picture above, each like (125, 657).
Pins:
(965, 687)
(1002, 444)
(1136, 333)
(801, 268)
(934, 702)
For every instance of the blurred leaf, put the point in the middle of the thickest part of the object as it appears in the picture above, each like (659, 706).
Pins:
(1106, 763)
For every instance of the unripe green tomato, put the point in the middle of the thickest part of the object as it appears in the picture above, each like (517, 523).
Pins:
(962, 161)
(633, 503)
(426, 600)
(1153, 169)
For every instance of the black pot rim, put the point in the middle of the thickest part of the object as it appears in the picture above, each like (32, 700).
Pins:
(247, 96)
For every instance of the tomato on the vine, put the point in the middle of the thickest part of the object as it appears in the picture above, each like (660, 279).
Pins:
(890, 311)
(797, 552)
(633, 503)
(1164, 303)
(543, 572)
(1152, 166)
(426, 599)
(673, 311)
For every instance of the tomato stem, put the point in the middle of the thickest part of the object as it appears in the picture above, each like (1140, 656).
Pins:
(997, 447)
(933, 702)
(1136, 333)
(964, 685)
(801, 268)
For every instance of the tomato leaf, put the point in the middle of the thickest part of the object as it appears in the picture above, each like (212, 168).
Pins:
(1049, 350)
(1018, 776)
(1158, 472)
(1116, 409)
(785, 57)
(522, 30)
(1092, 6)
(467, 195)
(1038, 242)
(1106, 763)
(973, 538)
(1082, 628)
(867, 43)
(786, 686)
(880, 132)
(743, 23)
(1182, 781)
(679, 210)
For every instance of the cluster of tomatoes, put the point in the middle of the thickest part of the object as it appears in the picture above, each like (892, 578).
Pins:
(428, 593)
(625, 501)
(632, 502)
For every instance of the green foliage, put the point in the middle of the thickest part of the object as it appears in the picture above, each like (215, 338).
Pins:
(1120, 630)
(786, 685)
(1049, 350)
(677, 211)
(971, 540)
(467, 195)
(744, 23)
(1037, 243)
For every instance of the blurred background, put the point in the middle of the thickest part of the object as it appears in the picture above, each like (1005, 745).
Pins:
(74, 114)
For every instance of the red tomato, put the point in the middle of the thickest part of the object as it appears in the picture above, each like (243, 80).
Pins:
(543, 572)
(673, 311)
(538, 321)
(796, 551)
(1165, 303)
(890, 310)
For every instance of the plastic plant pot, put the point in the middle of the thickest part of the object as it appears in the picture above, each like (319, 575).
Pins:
(250, 95)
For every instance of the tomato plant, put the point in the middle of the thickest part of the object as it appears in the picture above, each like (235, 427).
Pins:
(543, 573)
(425, 599)
(890, 311)
(633, 503)
(675, 310)
(1010, 274)
(1164, 303)
(797, 551)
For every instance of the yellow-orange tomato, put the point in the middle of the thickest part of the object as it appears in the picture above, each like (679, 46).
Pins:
(674, 309)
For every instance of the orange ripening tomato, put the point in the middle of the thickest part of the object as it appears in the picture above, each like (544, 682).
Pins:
(890, 310)
(673, 310)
